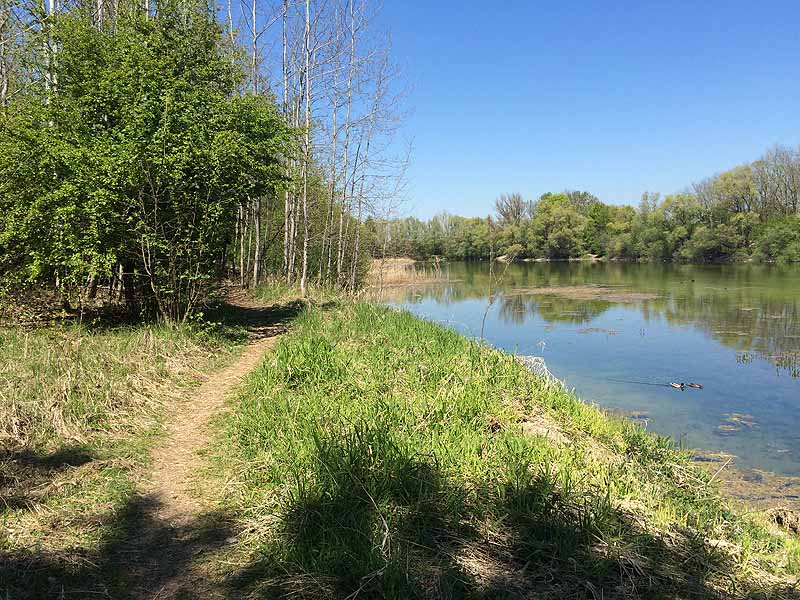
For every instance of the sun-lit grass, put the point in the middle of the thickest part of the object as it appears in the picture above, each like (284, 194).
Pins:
(388, 272)
(378, 455)
(79, 410)
(276, 291)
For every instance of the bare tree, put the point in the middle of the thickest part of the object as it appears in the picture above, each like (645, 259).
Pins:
(306, 147)
(7, 35)
(511, 208)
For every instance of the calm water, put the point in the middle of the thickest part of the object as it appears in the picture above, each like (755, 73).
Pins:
(734, 329)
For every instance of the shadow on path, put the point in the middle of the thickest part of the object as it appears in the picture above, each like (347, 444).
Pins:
(154, 544)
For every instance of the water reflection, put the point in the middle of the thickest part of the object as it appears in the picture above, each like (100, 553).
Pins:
(753, 309)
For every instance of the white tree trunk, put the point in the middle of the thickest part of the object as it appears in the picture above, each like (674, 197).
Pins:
(341, 247)
(307, 147)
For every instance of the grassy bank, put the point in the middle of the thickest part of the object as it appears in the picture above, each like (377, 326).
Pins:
(377, 455)
(79, 409)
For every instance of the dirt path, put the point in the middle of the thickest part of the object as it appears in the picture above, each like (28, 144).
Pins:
(174, 522)
(177, 462)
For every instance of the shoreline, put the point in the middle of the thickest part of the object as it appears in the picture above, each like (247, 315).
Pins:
(750, 488)
(452, 443)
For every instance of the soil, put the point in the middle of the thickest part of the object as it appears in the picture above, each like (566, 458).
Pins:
(178, 527)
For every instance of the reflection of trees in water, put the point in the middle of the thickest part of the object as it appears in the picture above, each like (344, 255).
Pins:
(751, 308)
(768, 328)
(517, 307)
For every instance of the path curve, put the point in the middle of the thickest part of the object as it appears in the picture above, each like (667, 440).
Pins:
(177, 461)
(177, 526)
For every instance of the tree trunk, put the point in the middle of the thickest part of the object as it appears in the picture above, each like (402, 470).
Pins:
(242, 272)
(307, 147)
(257, 256)
(340, 252)
(91, 289)
(286, 199)
(128, 286)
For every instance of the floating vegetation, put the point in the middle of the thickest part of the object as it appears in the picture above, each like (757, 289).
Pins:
(598, 330)
(754, 488)
(744, 419)
(588, 292)
(736, 422)
(704, 456)
(728, 428)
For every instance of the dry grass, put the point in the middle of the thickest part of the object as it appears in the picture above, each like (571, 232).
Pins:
(79, 409)
(390, 272)
(68, 385)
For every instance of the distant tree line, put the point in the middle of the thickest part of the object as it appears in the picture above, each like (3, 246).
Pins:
(150, 147)
(749, 212)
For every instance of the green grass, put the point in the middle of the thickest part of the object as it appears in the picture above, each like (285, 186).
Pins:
(79, 410)
(377, 455)
(277, 291)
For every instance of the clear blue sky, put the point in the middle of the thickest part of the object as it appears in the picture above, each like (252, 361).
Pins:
(615, 97)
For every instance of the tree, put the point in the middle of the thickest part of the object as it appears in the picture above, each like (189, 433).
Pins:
(780, 242)
(511, 209)
(556, 230)
(596, 234)
(139, 157)
(582, 201)
(736, 189)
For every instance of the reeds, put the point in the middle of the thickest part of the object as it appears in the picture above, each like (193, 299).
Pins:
(389, 272)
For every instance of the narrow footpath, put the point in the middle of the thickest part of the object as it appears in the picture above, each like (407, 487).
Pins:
(175, 526)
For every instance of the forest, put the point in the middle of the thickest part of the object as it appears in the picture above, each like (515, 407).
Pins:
(750, 212)
(149, 150)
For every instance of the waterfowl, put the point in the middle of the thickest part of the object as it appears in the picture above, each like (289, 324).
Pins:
(697, 386)
(677, 386)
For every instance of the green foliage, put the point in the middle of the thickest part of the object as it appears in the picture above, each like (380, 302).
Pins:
(557, 228)
(421, 460)
(780, 242)
(140, 155)
(729, 217)
(560, 226)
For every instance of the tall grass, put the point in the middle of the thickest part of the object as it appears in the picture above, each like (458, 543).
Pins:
(79, 408)
(378, 455)
(388, 272)
(276, 290)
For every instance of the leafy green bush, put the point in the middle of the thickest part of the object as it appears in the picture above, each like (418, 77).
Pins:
(780, 242)
(140, 155)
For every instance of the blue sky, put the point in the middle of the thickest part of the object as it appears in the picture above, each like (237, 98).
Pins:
(616, 97)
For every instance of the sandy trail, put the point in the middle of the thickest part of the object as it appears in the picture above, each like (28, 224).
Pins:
(173, 527)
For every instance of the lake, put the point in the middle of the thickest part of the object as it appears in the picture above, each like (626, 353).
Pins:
(619, 334)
